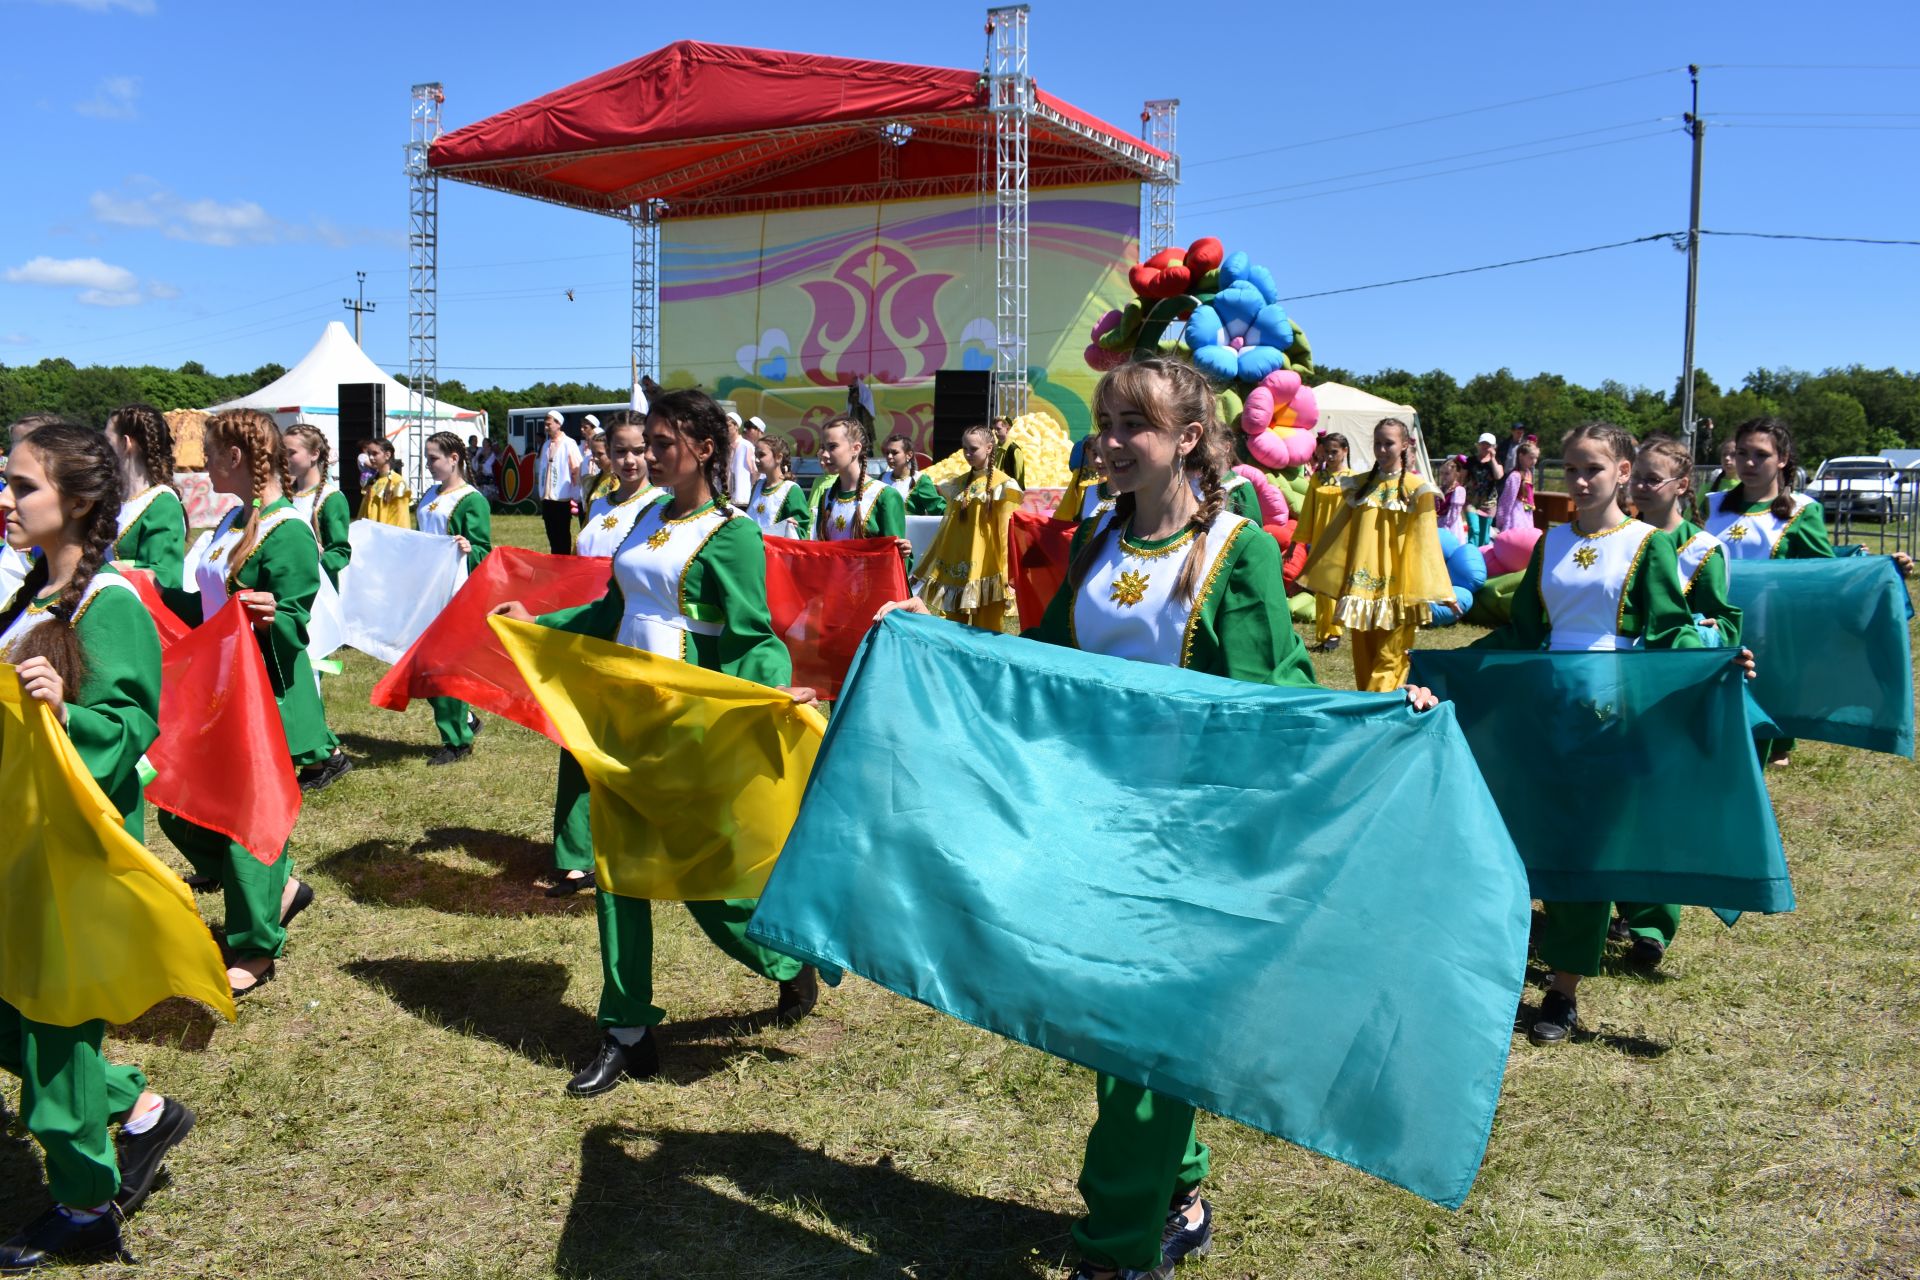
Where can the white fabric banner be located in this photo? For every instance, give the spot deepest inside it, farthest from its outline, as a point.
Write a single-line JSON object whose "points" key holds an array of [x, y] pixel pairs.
{"points": [[396, 584], [920, 532], [14, 568]]}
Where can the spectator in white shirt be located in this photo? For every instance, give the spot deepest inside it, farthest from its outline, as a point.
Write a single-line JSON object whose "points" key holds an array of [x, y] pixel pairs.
{"points": [[557, 476]]}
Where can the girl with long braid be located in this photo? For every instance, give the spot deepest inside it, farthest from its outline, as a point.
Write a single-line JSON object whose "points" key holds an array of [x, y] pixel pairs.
{"points": [[777, 504], [689, 582], [153, 520], [452, 507], [263, 554], [921, 496], [850, 503], [81, 641], [320, 504], [1170, 575]]}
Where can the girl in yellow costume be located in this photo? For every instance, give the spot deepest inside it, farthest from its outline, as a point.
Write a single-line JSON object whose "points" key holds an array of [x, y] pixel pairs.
{"points": [[1323, 499], [1380, 560], [387, 499], [964, 575]]}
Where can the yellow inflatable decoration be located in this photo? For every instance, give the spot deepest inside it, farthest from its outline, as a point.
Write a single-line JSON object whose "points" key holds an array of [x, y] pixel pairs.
{"points": [[1041, 438]]}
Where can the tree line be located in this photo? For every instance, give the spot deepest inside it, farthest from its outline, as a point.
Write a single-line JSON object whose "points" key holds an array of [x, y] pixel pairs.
{"points": [[1850, 410]]}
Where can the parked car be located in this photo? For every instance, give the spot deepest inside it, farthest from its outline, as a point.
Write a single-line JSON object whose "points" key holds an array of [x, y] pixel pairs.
{"points": [[1860, 487]]}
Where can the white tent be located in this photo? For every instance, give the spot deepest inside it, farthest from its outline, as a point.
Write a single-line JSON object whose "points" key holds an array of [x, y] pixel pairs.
{"points": [[1354, 413], [310, 392]]}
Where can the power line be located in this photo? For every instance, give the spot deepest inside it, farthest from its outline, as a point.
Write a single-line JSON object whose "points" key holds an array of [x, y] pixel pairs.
{"points": [[1859, 128], [1820, 115], [1807, 66], [1777, 235], [1491, 266], [1448, 115]]}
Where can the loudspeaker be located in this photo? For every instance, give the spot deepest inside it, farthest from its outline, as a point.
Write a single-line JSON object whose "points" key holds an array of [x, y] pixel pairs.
{"points": [[363, 417], [962, 398]]}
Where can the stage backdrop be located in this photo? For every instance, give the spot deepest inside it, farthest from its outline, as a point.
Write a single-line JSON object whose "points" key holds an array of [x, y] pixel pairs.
{"points": [[776, 311]]}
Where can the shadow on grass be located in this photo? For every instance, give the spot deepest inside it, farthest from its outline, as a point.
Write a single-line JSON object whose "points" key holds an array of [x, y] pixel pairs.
{"points": [[23, 1192], [371, 752], [1620, 1042], [647, 1206], [178, 1023], [382, 873]]}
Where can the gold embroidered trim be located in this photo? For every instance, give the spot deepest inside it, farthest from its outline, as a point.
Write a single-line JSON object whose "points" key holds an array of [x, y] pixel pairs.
{"points": [[1205, 593], [1626, 586], [1361, 614], [687, 569], [1128, 547], [1773, 553]]}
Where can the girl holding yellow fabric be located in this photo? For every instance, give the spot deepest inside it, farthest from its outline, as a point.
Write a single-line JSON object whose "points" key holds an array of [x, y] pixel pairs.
{"points": [[82, 643], [964, 576], [387, 499], [1379, 560]]}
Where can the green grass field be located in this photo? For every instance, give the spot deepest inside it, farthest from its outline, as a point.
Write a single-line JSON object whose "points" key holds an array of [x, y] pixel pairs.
{"points": [[392, 1105]]}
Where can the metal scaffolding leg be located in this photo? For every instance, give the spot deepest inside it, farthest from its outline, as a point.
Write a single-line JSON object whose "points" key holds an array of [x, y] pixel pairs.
{"points": [[1010, 99], [1158, 121], [645, 221], [423, 280]]}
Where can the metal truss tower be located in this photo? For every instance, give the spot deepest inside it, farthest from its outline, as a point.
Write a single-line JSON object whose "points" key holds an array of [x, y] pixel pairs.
{"points": [[1010, 99], [644, 218], [423, 277], [1159, 121]]}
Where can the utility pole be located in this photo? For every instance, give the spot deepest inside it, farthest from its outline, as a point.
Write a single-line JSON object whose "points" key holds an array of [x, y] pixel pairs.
{"points": [[1698, 128], [359, 304]]}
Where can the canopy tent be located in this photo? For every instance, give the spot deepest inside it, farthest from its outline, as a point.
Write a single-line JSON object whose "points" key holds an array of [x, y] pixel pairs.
{"points": [[716, 129], [310, 392], [1354, 413]]}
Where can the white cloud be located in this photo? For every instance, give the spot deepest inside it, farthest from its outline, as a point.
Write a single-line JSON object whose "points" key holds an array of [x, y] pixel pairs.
{"points": [[142, 7], [15, 340], [141, 202], [113, 100], [160, 289], [73, 273], [109, 298]]}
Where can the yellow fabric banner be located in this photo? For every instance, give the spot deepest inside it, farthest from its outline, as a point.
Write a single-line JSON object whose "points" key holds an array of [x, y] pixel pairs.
{"points": [[696, 776], [94, 925]]}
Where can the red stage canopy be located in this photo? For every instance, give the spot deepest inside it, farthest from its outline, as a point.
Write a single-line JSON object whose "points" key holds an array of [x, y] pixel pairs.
{"points": [[718, 129]]}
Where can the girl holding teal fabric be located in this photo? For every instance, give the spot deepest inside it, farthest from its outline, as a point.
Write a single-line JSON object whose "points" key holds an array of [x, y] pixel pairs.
{"points": [[1169, 575], [152, 532], [263, 554], [452, 507], [81, 641], [689, 582]]}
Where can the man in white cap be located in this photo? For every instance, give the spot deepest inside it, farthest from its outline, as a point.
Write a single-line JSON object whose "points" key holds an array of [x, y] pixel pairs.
{"points": [[1484, 474], [740, 468], [557, 479]]}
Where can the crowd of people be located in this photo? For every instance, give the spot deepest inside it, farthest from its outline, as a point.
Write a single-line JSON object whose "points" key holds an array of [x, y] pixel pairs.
{"points": [[1166, 567]]}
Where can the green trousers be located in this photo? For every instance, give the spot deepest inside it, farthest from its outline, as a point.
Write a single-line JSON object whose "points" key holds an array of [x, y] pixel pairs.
{"points": [[68, 1096], [1657, 921], [1574, 937], [450, 717], [1141, 1154], [252, 889], [626, 953], [572, 820]]}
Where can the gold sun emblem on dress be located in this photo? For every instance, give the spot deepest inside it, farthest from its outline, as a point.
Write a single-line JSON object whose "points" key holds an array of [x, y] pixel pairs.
{"points": [[217, 553], [659, 539], [1585, 557], [1737, 532], [433, 506], [839, 522], [762, 508], [1129, 589], [609, 522]]}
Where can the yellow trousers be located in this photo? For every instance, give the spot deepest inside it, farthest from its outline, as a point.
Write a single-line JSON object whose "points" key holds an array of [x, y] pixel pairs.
{"points": [[1380, 658], [1324, 627]]}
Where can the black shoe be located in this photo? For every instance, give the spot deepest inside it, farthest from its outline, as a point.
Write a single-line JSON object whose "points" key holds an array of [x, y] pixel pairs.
{"points": [[141, 1154], [798, 995], [1559, 1016], [566, 886], [1646, 953], [1618, 931], [201, 884], [54, 1237], [318, 777], [450, 755], [241, 993], [302, 899], [615, 1061], [1182, 1239], [477, 724]]}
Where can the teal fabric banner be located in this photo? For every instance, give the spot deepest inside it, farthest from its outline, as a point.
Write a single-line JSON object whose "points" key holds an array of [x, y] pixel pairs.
{"points": [[1830, 641], [1623, 777], [1292, 907]]}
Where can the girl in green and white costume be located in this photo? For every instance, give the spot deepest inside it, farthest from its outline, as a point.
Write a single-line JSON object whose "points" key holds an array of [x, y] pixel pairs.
{"points": [[452, 507], [777, 504], [82, 642], [263, 554], [1761, 518], [152, 532], [320, 504], [1171, 576], [848, 503], [920, 495], [689, 582]]}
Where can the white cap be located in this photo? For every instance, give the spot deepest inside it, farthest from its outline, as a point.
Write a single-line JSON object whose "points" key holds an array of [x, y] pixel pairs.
{"points": [[554, 415], [733, 417], [593, 421], [756, 423], [1486, 437]]}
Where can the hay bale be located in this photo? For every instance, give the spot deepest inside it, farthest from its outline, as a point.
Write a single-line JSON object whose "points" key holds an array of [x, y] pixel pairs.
{"points": [[189, 449]]}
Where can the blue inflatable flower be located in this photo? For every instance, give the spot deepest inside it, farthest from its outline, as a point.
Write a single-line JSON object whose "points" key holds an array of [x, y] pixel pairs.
{"points": [[1242, 335], [1238, 267]]}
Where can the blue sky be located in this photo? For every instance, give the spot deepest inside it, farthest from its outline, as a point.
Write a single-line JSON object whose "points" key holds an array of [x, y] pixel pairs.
{"points": [[201, 180]]}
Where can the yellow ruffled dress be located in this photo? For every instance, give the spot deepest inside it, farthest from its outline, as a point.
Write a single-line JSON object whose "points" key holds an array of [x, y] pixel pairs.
{"points": [[964, 573], [1379, 561]]}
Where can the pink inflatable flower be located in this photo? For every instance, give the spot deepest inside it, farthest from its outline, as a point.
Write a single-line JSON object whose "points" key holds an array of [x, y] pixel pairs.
{"points": [[1279, 421]]}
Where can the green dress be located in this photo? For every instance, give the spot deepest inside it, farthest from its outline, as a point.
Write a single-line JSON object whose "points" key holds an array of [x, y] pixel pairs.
{"points": [[69, 1093], [723, 625], [1703, 579], [874, 510], [923, 496], [330, 519], [153, 535], [1143, 1145], [470, 517], [1242, 500]]}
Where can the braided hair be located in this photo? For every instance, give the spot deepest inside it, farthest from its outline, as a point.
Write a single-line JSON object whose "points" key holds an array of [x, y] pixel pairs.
{"points": [[1406, 445], [79, 464], [28, 423], [782, 451], [695, 416], [1776, 430], [316, 441], [152, 442], [913, 462], [452, 446], [1171, 394], [863, 445], [258, 440]]}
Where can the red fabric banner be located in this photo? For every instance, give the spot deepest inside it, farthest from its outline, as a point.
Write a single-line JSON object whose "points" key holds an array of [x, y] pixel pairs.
{"points": [[1039, 547], [458, 656], [165, 620], [823, 596], [216, 704]]}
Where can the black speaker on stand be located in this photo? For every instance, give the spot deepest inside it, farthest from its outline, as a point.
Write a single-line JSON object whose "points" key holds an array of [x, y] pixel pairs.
{"points": [[363, 417], [962, 398]]}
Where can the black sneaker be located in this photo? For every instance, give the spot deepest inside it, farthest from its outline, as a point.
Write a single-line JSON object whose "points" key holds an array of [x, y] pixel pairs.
{"points": [[476, 723], [318, 777], [142, 1154], [1182, 1239], [55, 1237], [615, 1062], [1618, 930], [450, 755], [798, 995], [1559, 1016], [1646, 953]]}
